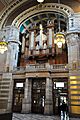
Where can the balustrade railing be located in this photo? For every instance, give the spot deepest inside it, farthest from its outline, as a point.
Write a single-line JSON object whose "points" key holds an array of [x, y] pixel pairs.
{"points": [[19, 69], [59, 67], [42, 67], [36, 66]]}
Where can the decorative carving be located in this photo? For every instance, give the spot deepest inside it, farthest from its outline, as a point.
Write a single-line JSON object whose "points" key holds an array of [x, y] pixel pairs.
{"points": [[72, 38], [74, 23], [45, 7]]}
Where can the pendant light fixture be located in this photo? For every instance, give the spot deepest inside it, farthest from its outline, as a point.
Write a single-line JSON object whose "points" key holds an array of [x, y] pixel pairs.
{"points": [[3, 46], [59, 38]]}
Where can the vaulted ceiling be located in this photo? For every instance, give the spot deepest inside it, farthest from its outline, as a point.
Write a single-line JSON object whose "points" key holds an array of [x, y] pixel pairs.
{"points": [[75, 4], [16, 7]]}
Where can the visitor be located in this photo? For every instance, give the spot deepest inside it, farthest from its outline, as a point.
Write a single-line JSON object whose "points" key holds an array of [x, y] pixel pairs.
{"points": [[64, 108]]}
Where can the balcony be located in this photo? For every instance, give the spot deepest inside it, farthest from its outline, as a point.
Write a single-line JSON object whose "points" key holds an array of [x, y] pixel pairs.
{"points": [[19, 69], [42, 67], [59, 68]]}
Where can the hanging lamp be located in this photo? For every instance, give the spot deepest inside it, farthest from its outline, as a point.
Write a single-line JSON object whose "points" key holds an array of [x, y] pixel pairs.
{"points": [[3, 46], [59, 38]]}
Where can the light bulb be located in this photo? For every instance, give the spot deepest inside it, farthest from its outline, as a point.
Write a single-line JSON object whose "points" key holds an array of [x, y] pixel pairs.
{"points": [[59, 44], [1, 51]]}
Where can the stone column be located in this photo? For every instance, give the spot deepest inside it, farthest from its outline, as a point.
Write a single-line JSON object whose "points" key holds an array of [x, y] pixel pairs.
{"points": [[74, 73], [7, 60], [73, 43], [48, 97], [14, 49], [26, 104], [12, 37]]}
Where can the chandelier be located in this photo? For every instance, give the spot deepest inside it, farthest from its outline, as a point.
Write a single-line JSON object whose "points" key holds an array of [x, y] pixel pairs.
{"points": [[3, 46], [59, 39]]}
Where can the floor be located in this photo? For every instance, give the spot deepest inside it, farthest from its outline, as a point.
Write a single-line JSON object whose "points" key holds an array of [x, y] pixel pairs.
{"points": [[40, 117]]}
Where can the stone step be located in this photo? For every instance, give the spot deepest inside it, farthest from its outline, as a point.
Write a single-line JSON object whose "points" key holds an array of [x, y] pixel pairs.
{"points": [[4, 90], [4, 95], [5, 85], [3, 98]]}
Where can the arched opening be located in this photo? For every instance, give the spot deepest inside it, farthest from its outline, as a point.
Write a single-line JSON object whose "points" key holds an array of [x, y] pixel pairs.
{"points": [[46, 54], [34, 57]]}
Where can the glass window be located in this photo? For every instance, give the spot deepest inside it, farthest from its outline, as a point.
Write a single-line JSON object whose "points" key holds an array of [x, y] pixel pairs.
{"points": [[19, 84]]}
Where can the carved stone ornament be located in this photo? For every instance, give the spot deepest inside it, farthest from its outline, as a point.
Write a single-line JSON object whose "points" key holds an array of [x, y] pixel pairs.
{"points": [[72, 38]]}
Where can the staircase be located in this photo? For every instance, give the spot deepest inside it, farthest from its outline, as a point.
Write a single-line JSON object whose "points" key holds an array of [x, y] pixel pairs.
{"points": [[5, 91]]}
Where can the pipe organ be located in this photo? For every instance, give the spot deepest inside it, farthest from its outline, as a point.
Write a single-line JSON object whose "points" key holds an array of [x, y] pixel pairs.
{"points": [[41, 47], [41, 42]]}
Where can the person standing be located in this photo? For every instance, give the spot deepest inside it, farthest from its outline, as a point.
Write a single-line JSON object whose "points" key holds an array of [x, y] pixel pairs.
{"points": [[64, 108]]}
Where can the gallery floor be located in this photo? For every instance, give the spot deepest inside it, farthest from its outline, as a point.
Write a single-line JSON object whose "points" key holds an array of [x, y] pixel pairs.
{"points": [[40, 117]]}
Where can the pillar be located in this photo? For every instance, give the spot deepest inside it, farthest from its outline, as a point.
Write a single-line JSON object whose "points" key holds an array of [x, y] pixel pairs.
{"points": [[73, 43], [26, 104], [48, 97], [12, 37]]}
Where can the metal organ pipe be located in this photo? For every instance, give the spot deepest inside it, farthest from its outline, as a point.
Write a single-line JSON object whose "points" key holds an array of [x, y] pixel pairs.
{"points": [[23, 44], [50, 37], [41, 36], [32, 41]]}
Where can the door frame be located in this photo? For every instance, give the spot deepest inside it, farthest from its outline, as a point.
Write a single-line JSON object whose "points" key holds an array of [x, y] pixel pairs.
{"points": [[38, 95], [19, 93], [58, 92]]}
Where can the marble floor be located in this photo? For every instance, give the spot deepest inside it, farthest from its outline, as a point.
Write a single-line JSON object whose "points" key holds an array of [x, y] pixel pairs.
{"points": [[40, 117]]}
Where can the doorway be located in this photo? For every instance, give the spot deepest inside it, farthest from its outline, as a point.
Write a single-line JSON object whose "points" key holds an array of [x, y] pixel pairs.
{"points": [[60, 93], [38, 95], [18, 94]]}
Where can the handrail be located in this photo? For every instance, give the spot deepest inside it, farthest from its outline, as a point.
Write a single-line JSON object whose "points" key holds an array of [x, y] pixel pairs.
{"points": [[19, 68], [37, 67], [58, 66]]}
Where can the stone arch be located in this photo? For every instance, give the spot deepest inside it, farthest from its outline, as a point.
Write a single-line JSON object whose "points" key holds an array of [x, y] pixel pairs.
{"points": [[51, 7], [67, 11], [15, 6]]}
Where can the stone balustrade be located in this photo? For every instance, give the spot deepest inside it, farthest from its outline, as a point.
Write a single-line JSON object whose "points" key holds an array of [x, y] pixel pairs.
{"points": [[59, 67], [19, 69], [41, 67]]}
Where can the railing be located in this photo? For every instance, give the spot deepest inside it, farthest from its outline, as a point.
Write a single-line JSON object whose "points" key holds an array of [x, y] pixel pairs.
{"points": [[59, 67], [36, 67], [42, 67], [19, 69]]}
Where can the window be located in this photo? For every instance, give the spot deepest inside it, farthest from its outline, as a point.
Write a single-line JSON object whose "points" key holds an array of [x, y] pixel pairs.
{"points": [[19, 84]]}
